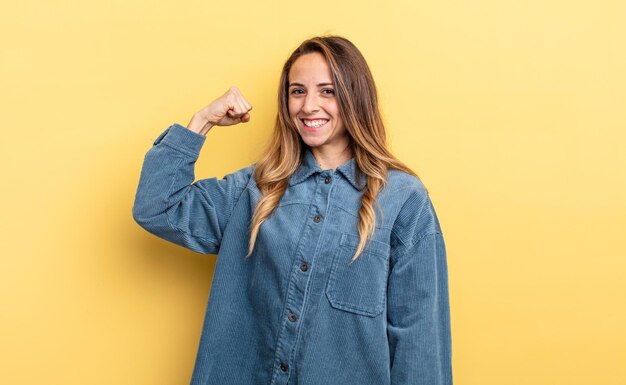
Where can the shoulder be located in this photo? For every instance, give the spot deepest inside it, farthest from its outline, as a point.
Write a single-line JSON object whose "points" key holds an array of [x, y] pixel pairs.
{"points": [[416, 216], [398, 180], [405, 188]]}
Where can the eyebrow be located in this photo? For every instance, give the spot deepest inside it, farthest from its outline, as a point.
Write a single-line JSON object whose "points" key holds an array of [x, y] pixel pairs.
{"points": [[319, 85]]}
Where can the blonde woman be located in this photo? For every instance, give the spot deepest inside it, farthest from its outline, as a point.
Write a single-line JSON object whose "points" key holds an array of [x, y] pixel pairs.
{"points": [[331, 264]]}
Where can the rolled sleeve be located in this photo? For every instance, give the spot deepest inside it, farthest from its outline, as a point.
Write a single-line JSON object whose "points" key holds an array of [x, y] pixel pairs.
{"points": [[182, 139], [418, 314]]}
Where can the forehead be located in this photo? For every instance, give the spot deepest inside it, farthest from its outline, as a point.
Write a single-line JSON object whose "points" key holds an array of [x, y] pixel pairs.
{"points": [[310, 67]]}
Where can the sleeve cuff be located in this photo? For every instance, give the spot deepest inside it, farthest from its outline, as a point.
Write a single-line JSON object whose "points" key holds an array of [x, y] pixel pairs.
{"points": [[182, 139]]}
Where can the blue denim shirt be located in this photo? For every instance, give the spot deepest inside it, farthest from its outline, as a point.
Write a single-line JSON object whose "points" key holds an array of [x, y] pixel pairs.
{"points": [[297, 311]]}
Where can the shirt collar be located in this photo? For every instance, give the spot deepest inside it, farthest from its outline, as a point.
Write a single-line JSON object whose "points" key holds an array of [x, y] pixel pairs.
{"points": [[309, 166]]}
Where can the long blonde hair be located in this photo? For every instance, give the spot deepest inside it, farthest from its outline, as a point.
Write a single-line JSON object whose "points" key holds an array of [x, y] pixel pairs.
{"points": [[358, 106]]}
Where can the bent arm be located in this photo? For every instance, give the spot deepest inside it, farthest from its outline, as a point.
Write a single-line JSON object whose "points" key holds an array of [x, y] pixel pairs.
{"points": [[169, 205]]}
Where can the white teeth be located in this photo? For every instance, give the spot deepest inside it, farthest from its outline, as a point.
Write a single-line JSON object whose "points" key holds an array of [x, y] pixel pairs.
{"points": [[315, 123]]}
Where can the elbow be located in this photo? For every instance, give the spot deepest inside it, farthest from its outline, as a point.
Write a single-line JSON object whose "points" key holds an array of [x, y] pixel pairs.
{"points": [[145, 210], [154, 224], [139, 215]]}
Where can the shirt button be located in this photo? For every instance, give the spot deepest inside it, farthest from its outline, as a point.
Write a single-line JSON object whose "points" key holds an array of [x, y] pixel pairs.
{"points": [[304, 266], [283, 366], [327, 179], [293, 317], [317, 218]]}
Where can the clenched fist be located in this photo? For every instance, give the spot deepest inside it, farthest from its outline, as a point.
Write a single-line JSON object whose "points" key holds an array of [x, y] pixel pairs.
{"points": [[227, 110]]}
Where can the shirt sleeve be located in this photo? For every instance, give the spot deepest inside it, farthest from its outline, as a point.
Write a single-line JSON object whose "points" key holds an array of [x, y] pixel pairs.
{"points": [[418, 314], [169, 204]]}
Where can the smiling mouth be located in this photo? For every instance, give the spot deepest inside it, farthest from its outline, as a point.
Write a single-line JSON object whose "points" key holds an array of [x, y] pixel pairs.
{"points": [[315, 123]]}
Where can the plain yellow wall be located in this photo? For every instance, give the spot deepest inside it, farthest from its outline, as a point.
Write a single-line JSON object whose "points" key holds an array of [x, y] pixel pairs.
{"points": [[512, 112]]}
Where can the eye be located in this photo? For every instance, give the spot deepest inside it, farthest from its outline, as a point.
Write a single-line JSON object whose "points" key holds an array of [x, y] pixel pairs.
{"points": [[330, 91], [296, 91]]}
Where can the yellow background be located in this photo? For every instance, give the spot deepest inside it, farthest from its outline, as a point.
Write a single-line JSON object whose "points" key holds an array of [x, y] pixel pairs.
{"points": [[512, 112]]}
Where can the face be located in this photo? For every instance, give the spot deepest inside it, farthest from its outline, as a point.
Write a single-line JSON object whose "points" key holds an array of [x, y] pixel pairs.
{"points": [[313, 105]]}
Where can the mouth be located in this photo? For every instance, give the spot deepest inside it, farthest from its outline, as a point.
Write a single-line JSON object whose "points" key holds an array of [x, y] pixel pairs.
{"points": [[314, 124]]}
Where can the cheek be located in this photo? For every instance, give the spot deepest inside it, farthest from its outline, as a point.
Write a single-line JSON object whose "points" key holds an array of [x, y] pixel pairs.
{"points": [[333, 109], [292, 106]]}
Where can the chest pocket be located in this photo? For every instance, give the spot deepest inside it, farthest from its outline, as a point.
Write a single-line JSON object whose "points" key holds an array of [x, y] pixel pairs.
{"points": [[359, 287]]}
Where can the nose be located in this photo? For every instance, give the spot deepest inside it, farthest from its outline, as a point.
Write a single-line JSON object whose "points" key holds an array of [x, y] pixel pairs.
{"points": [[311, 104]]}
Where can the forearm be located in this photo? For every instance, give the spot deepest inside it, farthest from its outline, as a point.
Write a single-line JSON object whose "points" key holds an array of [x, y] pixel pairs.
{"points": [[166, 198], [167, 169]]}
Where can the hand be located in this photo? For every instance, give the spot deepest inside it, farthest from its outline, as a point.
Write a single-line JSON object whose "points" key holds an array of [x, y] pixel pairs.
{"points": [[227, 110]]}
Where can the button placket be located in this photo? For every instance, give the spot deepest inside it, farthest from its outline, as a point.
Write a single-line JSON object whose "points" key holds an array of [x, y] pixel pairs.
{"points": [[297, 289]]}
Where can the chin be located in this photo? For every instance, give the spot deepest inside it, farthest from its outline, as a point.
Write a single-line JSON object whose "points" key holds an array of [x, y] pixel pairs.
{"points": [[313, 142]]}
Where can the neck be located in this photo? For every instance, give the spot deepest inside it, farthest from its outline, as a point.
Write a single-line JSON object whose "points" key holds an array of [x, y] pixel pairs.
{"points": [[331, 159]]}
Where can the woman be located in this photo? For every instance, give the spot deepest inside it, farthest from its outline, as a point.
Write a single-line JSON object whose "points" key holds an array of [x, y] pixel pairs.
{"points": [[331, 263]]}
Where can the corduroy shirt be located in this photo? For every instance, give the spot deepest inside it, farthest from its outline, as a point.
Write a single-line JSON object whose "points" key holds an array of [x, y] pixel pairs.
{"points": [[297, 311]]}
